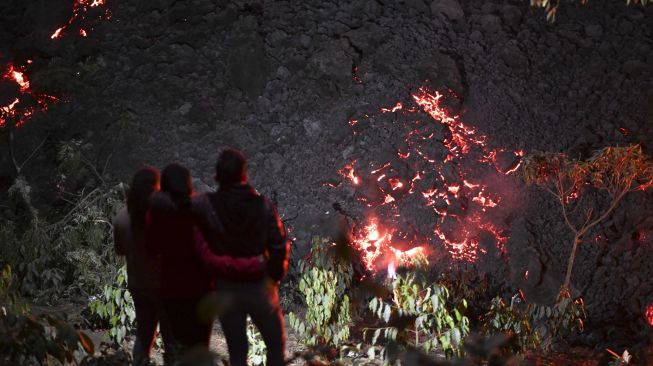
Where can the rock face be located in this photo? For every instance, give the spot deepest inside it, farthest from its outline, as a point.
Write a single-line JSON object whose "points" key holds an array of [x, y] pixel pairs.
{"points": [[284, 81]]}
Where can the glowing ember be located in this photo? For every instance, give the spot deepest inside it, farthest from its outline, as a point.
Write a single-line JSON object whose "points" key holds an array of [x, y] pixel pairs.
{"points": [[648, 315], [18, 77], [397, 107], [445, 175], [348, 172], [80, 8]]}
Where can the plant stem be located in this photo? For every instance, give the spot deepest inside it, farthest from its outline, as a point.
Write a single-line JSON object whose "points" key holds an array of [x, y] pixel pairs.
{"points": [[570, 263]]}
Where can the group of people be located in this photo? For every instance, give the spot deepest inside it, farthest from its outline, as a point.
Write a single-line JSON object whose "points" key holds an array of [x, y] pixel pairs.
{"points": [[192, 257]]}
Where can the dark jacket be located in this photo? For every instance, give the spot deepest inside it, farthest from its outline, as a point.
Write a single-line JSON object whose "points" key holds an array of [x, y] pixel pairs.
{"points": [[241, 222], [187, 271]]}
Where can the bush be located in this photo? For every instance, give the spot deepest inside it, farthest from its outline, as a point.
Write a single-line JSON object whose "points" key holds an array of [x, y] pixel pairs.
{"points": [[73, 256], [27, 339], [514, 322], [256, 354], [418, 315], [532, 326], [116, 306], [325, 279]]}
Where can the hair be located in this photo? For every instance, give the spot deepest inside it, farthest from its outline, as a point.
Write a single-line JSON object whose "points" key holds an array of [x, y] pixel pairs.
{"points": [[176, 181], [231, 168], [144, 182]]}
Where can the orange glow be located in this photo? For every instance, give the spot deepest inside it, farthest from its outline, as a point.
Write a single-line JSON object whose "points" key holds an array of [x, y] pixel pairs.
{"points": [[348, 172], [395, 183], [648, 315], [461, 206], [13, 110], [80, 8], [397, 107], [19, 78]]}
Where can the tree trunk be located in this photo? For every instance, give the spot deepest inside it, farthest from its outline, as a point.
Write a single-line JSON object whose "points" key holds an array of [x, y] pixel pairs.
{"points": [[570, 265]]}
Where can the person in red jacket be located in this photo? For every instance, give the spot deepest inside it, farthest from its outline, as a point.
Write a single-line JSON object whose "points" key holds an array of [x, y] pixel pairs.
{"points": [[187, 271], [239, 222]]}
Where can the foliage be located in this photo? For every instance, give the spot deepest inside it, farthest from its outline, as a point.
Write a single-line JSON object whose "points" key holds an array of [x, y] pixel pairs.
{"points": [[551, 7], [116, 305], [325, 279], [531, 326], [418, 316], [71, 256], [613, 171], [27, 339], [516, 323], [10, 301], [551, 322], [257, 351]]}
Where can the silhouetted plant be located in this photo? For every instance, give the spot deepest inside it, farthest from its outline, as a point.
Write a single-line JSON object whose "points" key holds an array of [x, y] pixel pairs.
{"points": [[325, 280], [614, 171], [419, 315]]}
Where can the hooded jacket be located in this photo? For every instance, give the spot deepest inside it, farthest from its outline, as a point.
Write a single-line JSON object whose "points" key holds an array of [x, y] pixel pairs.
{"points": [[187, 266], [240, 222]]}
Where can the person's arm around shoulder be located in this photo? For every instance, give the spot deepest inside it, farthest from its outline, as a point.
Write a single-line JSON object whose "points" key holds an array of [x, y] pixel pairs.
{"points": [[277, 245], [121, 226], [224, 266]]}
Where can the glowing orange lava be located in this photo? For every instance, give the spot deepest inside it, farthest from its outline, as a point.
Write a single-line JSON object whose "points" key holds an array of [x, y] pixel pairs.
{"points": [[80, 8], [461, 203]]}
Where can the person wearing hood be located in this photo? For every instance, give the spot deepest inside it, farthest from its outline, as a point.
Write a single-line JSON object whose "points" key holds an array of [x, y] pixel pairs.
{"points": [[239, 222], [188, 267]]}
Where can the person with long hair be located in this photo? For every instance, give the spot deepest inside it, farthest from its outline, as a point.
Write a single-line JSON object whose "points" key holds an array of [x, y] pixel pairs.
{"points": [[187, 272], [142, 269]]}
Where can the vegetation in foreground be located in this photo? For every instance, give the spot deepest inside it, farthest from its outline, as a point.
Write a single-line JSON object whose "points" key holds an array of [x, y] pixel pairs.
{"points": [[417, 318]]}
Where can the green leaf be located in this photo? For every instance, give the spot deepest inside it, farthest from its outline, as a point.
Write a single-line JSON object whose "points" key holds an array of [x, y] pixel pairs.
{"points": [[375, 337], [386, 313]]}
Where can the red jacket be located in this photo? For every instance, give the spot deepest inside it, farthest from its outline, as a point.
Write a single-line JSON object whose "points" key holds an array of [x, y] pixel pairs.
{"points": [[188, 267]]}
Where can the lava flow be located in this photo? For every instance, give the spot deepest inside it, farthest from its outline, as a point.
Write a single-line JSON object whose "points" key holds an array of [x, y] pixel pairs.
{"points": [[80, 10], [446, 168], [26, 95], [27, 102]]}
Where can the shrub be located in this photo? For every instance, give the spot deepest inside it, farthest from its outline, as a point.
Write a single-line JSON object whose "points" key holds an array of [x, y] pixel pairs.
{"points": [[116, 306], [256, 353], [27, 339], [516, 323], [325, 279], [419, 316]]}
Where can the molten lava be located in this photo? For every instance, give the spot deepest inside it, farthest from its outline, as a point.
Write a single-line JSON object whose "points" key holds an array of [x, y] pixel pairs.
{"points": [[448, 185], [19, 110], [80, 10], [15, 109]]}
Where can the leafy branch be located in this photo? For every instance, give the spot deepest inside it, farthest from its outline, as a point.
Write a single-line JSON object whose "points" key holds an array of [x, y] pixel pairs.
{"points": [[615, 171]]}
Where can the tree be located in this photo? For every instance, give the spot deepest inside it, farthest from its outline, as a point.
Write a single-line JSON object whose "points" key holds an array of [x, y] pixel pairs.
{"points": [[612, 171]]}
